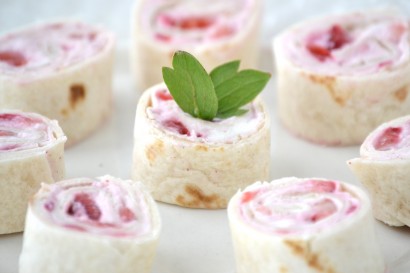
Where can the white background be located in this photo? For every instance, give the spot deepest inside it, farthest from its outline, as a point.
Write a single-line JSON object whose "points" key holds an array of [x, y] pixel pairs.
{"points": [[194, 241]]}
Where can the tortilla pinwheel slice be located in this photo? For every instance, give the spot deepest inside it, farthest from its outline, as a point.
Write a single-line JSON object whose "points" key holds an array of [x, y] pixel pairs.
{"points": [[341, 76], [303, 225], [31, 152], [62, 70], [384, 168], [90, 225], [214, 31]]}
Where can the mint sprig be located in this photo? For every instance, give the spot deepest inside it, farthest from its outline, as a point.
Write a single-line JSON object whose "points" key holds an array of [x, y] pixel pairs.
{"points": [[220, 94]]}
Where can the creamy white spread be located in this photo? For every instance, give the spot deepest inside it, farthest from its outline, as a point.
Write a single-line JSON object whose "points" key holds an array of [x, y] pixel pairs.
{"points": [[300, 206], [186, 22], [100, 206], [49, 48], [20, 131], [352, 44], [169, 116]]}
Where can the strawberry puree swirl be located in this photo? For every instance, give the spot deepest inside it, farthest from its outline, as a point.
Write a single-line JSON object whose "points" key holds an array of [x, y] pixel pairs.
{"points": [[353, 44], [49, 48], [300, 206], [20, 131], [104, 206], [182, 22]]}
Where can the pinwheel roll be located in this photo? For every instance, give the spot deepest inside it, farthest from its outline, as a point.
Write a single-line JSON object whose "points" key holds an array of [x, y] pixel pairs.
{"points": [[62, 70], [31, 152], [384, 169], [303, 225], [90, 225], [340, 77], [214, 31], [195, 163]]}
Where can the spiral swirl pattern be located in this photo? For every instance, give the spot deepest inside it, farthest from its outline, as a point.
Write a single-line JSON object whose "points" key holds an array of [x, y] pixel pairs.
{"points": [[187, 22], [350, 44], [390, 140], [300, 206], [24, 131], [49, 48], [104, 206]]}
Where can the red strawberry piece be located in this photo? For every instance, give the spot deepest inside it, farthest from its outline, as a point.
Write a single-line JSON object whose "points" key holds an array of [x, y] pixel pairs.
{"points": [[177, 126], [388, 139], [13, 58], [164, 95], [248, 196], [336, 37], [83, 200], [126, 214], [194, 23], [319, 52]]}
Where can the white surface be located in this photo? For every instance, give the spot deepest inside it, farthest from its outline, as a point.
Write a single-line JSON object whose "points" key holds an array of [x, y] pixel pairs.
{"points": [[194, 241]]}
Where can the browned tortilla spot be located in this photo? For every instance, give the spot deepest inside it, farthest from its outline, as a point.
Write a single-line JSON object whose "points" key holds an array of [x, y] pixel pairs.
{"points": [[64, 112], [201, 148], [301, 249], [152, 151], [77, 94], [329, 83], [198, 199], [401, 94]]}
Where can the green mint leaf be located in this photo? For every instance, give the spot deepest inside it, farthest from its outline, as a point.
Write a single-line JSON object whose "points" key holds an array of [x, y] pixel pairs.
{"points": [[191, 86], [183, 98], [220, 94], [224, 72], [231, 113], [240, 89]]}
